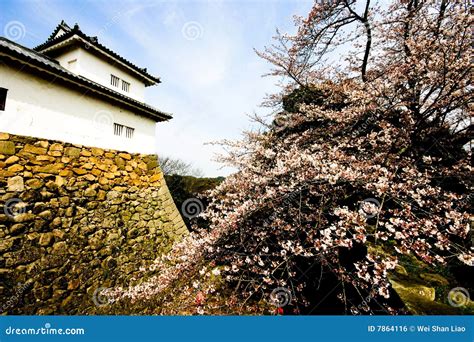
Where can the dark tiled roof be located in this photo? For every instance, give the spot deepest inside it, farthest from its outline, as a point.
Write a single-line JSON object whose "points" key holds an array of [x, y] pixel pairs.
{"points": [[62, 26], [94, 42], [42, 62]]}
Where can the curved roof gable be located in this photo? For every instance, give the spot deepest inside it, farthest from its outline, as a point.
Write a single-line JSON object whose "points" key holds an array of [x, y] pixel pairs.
{"points": [[61, 29], [63, 32]]}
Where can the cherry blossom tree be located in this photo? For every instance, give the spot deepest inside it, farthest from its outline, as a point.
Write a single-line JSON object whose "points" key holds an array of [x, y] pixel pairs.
{"points": [[364, 162]]}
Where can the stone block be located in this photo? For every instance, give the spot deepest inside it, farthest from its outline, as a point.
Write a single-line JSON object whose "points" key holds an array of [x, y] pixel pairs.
{"points": [[7, 147], [11, 160], [72, 152], [15, 184], [34, 149], [97, 151], [50, 168], [46, 239]]}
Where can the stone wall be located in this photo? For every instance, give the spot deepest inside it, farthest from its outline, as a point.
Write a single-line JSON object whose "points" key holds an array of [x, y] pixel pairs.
{"points": [[75, 219]]}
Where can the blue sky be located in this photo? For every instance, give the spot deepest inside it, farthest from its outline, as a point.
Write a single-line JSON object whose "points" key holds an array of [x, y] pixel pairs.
{"points": [[202, 50]]}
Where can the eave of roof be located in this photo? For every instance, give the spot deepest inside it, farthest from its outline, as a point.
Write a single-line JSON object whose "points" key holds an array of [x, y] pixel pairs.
{"points": [[46, 64], [92, 41], [61, 26]]}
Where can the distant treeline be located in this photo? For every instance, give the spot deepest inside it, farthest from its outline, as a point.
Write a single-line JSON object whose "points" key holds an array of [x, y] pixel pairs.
{"points": [[184, 188]]}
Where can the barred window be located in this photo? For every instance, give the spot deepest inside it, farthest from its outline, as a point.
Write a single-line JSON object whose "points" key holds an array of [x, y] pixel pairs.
{"points": [[114, 80], [3, 98], [129, 132], [125, 86], [118, 129]]}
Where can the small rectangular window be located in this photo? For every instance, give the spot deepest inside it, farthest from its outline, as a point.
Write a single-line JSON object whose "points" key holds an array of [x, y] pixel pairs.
{"points": [[3, 98], [118, 129], [125, 86], [114, 80], [129, 132]]}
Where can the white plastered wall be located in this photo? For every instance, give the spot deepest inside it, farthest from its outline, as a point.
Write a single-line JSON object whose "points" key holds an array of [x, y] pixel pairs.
{"points": [[38, 108], [98, 70]]}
